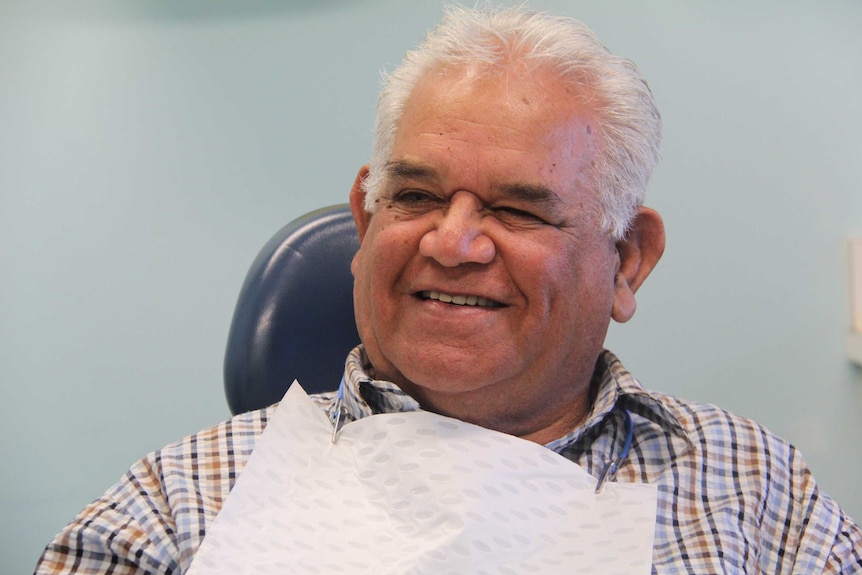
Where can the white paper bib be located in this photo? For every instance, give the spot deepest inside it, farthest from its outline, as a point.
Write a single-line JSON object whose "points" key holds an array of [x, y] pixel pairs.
{"points": [[419, 493]]}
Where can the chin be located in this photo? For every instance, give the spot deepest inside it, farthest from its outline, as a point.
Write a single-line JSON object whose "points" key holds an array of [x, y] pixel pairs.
{"points": [[447, 380]]}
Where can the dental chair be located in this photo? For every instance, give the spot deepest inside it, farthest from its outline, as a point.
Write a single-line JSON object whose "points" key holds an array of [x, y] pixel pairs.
{"points": [[294, 316]]}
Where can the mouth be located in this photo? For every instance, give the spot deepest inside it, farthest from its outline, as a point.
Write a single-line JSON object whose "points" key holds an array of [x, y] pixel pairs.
{"points": [[459, 299]]}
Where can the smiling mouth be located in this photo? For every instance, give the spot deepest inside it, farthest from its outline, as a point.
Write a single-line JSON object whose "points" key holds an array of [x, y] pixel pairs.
{"points": [[459, 299]]}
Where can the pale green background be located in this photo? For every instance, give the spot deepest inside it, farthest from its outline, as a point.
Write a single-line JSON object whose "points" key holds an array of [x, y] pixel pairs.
{"points": [[148, 149]]}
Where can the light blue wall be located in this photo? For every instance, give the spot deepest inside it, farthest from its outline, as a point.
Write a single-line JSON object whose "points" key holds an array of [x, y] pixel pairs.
{"points": [[148, 149]]}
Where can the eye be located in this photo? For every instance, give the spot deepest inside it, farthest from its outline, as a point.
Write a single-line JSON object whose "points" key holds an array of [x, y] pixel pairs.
{"points": [[416, 199], [412, 197], [516, 216]]}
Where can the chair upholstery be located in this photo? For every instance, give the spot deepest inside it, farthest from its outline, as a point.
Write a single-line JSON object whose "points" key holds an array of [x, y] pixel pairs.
{"points": [[294, 316]]}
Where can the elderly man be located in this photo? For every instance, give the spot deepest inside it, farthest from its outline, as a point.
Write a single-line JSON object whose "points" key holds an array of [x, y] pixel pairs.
{"points": [[502, 228]]}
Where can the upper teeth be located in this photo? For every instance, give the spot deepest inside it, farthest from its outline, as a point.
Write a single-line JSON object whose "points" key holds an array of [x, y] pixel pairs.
{"points": [[459, 299]]}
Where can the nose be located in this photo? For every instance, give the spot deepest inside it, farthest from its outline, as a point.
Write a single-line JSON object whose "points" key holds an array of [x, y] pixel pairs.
{"points": [[458, 237]]}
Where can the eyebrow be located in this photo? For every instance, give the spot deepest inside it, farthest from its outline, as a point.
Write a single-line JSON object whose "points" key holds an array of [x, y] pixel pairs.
{"points": [[404, 170], [532, 193]]}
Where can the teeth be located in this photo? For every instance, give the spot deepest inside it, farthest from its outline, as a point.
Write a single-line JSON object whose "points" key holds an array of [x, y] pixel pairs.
{"points": [[471, 300]]}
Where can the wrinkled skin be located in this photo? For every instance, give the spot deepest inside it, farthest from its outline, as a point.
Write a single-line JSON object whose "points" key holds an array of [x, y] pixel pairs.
{"points": [[488, 200]]}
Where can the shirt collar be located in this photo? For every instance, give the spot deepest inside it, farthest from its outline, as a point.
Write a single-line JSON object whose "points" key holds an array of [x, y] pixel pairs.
{"points": [[364, 395], [613, 386]]}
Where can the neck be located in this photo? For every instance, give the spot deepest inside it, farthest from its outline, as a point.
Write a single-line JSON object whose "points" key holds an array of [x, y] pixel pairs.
{"points": [[541, 421]]}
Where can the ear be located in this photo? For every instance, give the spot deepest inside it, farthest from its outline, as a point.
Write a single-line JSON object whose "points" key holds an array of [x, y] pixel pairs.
{"points": [[638, 252], [357, 202]]}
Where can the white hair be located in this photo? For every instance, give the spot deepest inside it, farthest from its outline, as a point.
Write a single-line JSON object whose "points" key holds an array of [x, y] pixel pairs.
{"points": [[629, 122]]}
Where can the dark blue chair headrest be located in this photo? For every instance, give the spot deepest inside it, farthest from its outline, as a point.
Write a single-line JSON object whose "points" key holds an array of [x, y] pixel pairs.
{"points": [[294, 317]]}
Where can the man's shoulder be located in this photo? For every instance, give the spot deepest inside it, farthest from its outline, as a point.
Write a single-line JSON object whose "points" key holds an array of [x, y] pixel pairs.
{"points": [[700, 417], [700, 422], [239, 431], [222, 449], [229, 442], [715, 431]]}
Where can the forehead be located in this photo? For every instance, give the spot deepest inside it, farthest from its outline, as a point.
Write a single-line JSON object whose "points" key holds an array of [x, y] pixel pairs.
{"points": [[498, 122], [512, 95]]}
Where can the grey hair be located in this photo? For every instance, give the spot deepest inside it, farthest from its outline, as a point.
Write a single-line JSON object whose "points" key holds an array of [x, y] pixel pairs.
{"points": [[629, 121]]}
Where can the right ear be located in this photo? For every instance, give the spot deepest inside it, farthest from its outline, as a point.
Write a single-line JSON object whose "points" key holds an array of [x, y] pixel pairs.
{"points": [[357, 202]]}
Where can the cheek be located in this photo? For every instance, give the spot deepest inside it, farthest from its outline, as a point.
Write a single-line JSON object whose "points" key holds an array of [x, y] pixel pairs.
{"points": [[574, 282], [545, 263], [361, 294], [378, 265]]}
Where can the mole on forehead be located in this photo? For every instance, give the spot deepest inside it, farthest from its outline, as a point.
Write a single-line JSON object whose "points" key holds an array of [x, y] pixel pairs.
{"points": [[407, 170]]}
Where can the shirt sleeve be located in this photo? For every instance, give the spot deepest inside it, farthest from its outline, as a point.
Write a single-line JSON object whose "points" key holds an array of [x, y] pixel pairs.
{"points": [[129, 530], [828, 541], [846, 554], [154, 519]]}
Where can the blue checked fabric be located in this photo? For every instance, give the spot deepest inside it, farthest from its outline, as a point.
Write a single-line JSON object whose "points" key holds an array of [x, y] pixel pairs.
{"points": [[733, 498]]}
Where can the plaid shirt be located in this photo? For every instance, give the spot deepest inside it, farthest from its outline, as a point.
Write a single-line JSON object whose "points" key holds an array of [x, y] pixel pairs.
{"points": [[732, 497]]}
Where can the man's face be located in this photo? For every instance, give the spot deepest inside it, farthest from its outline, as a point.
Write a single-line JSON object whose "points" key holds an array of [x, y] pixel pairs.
{"points": [[484, 285]]}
